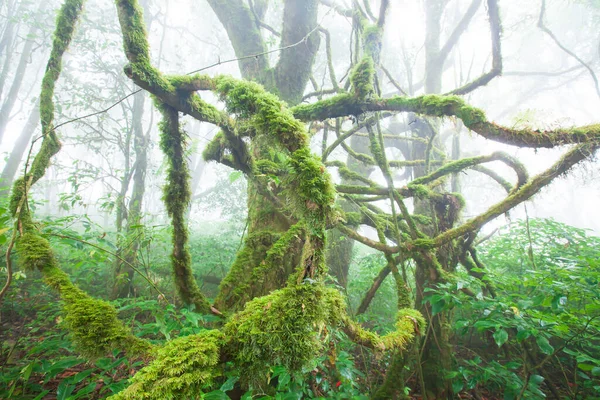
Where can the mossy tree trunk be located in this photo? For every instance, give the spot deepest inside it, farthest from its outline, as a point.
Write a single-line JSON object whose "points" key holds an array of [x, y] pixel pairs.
{"points": [[437, 353], [130, 240], [288, 78]]}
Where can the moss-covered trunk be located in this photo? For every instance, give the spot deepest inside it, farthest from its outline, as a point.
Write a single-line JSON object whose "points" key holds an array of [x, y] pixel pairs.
{"points": [[248, 276]]}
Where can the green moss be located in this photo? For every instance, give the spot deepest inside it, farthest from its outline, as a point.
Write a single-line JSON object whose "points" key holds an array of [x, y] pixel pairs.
{"points": [[267, 113], [282, 328], [372, 36], [309, 187], [135, 43], [266, 167], [183, 368], [341, 105], [420, 191], [34, 252], [234, 288], [422, 244], [362, 78], [353, 218], [177, 198], [93, 324], [215, 150], [409, 324], [362, 336]]}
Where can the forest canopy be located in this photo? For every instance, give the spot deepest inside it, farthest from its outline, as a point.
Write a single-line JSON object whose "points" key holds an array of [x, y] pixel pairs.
{"points": [[299, 199]]}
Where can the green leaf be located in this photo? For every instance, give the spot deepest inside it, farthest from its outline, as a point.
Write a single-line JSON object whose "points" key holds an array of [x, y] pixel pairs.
{"points": [[216, 395], [229, 384], [522, 335], [585, 367], [234, 176], [284, 380], [596, 371], [500, 337], [457, 386], [544, 345], [438, 307]]}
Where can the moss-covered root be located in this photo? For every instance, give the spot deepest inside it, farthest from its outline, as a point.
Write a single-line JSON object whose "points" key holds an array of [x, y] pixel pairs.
{"points": [[177, 198], [182, 369], [93, 323], [282, 329]]}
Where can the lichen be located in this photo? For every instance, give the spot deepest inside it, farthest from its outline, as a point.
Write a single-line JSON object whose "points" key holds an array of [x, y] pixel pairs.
{"points": [[182, 369]]}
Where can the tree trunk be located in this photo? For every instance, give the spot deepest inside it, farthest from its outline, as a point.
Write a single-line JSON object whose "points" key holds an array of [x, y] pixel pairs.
{"points": [[288, 79], [16, 155], [339, 249], [124, 273], [12, 95]]}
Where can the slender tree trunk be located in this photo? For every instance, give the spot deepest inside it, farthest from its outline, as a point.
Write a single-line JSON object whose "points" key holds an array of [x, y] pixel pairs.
{"points": [[21, 145], [12, 95], [339, 249], [124, 274], [436, 349], [7, 42]]}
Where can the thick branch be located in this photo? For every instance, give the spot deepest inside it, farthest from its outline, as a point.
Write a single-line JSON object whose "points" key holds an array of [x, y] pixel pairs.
{"points": [[244, 33], [449, 106]]}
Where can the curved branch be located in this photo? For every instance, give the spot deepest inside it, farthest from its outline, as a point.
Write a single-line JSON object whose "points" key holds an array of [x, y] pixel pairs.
{"points": [[465, 163], [566, 162], [352, 234]]}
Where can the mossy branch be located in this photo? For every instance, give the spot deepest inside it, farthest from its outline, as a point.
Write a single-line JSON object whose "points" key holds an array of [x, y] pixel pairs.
{"points": [[447, 106], [460, 165], [566, 162]]}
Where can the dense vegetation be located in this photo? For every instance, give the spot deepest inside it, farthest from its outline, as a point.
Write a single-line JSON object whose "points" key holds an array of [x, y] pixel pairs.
{"points": [[337, 252]]}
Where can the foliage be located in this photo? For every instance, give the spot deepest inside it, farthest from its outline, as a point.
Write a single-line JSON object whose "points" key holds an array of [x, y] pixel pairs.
{"points": [[542, 327]]}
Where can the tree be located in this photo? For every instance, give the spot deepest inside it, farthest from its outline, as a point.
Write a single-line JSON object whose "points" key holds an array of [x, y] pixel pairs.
{"points": [[274, 295]]}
